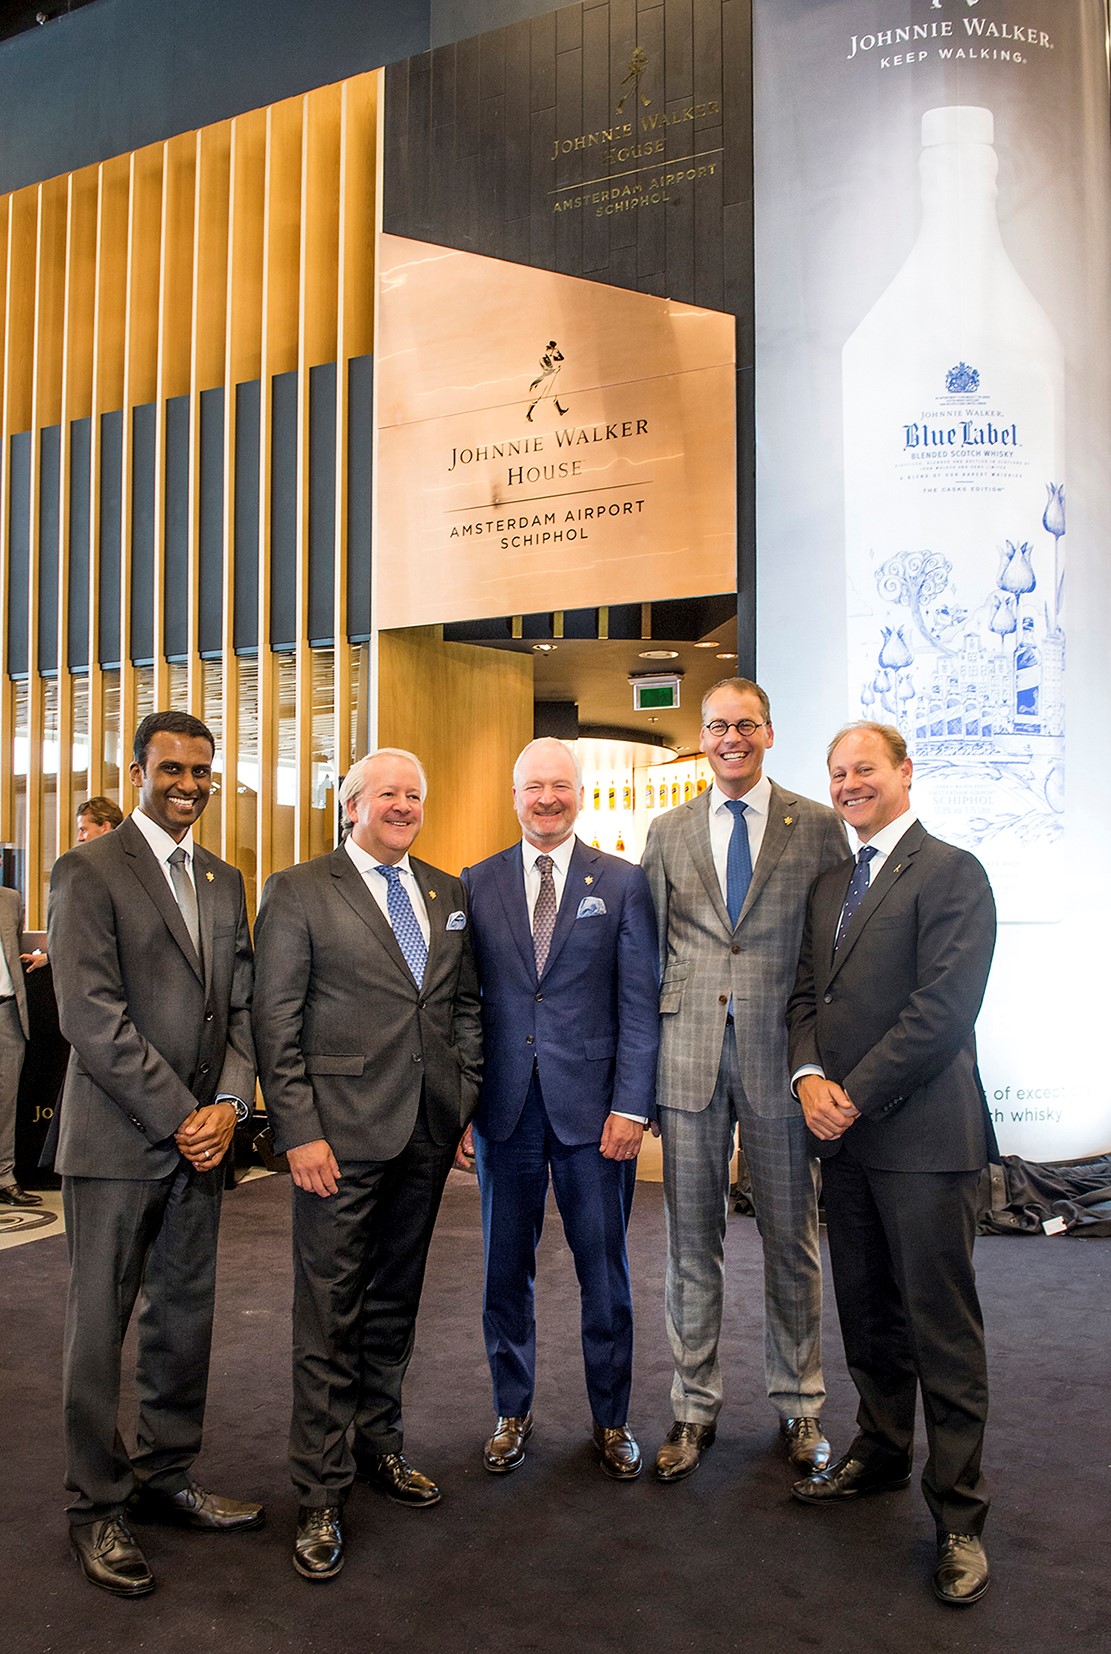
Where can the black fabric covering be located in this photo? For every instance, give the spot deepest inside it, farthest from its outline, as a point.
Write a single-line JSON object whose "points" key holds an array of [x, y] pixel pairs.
{"points": [[554, 1557], [1025, 1196]]}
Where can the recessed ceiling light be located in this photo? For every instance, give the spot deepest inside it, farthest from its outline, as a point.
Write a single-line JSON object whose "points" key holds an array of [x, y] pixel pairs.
{"points": [[710, 645], [659, 654], [725, 657], [543, 648]]}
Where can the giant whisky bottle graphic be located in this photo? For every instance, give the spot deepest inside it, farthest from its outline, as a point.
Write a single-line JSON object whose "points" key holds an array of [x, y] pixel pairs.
{"points": [[953, 401]]}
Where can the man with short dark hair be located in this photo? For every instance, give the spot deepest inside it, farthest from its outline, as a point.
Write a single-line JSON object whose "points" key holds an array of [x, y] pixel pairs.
{"points": [[367, 1027], [893, 967], [729, 873], [152, 971], [96, 817]]}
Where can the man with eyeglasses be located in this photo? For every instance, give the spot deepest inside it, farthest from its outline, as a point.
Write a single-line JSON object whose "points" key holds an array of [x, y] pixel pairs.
{"points": [[730, 872]]}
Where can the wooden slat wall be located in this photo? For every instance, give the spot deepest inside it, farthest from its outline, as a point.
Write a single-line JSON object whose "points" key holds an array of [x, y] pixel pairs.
{"points": [[219, 257]]}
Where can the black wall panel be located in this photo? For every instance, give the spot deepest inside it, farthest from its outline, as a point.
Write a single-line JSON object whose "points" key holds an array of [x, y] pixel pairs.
{"points": [[322, 504], [50, 476], [80, 538], [283, 513], [175, 611], [143, 434], [211, 527], [360, 478], [245, 619], [111, 530], [19, 543]]}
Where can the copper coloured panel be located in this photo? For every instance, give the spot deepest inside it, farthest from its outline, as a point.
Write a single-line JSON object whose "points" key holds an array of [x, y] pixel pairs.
{"points": [[545, 442]]}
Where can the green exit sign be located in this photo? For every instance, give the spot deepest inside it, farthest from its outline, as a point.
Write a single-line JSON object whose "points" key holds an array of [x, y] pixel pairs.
{"points": [[655, 694]]}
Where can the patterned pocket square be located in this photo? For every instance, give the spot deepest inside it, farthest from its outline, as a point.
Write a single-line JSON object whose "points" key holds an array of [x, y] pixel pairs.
{"points": [[456, 921], [591, 907]]}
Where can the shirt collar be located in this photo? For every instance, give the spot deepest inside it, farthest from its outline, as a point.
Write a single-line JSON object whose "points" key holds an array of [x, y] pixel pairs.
{"points": [[158, 838], [888, 837], [367, 863], [757, 799], [561, 855]]}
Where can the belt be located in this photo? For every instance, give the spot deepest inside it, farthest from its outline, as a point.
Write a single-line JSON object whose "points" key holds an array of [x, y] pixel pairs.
{"points": [[7, 999]]}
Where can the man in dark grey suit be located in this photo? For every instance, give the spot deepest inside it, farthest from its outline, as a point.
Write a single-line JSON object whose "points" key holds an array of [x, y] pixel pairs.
{"points": [[729, 874], [894, 964], [367, 1027], [14, 1033], [152, 971]]}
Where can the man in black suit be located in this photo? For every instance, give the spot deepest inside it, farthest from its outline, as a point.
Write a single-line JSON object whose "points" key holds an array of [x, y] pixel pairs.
{"points": [[895, 960], [367, 1027], [152, 971]]}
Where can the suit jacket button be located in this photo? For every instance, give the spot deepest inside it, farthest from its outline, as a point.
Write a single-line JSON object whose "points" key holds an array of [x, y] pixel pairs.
{"points": [[828, 999], [416, 1056], [539, 997], [529, 1039], [734, 948], [205, 1067], [209, 1015], [723, 999]]}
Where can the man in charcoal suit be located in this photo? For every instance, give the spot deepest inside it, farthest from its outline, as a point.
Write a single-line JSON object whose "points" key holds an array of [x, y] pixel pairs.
{"points": [[893, 968], [729, 873], [367, 1027], [567, 960], [152, 970]]}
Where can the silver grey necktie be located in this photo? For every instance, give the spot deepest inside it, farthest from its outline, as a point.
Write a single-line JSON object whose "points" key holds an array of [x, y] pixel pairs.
{"points": [[543, 914], [186, 898]]}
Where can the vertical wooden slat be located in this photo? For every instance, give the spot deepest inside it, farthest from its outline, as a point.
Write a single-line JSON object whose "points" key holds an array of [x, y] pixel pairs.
{"points": [[210, 242]]}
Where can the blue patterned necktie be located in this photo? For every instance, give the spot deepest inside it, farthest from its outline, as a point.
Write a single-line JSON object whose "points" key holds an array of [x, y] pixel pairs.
{"points": [[858, 884], [403, 921], [738, 866]]}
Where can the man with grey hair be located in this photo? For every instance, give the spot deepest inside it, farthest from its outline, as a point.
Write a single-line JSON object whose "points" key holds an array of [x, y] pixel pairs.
{"points": [[566, 951], [369, 1048]]}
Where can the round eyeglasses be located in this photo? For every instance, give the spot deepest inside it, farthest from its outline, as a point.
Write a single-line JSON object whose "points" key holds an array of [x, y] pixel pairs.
{"points": [[743, 726]]}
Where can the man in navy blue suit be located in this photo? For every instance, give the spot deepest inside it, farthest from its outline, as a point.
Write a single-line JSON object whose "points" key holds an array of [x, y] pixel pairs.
{"points": [[565, 940]]}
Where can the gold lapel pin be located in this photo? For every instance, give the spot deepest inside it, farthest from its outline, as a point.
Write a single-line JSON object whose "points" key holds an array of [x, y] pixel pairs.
{"points": [[589, 879], [211, 877], [431, 895], [899, 869], [787, 820]]}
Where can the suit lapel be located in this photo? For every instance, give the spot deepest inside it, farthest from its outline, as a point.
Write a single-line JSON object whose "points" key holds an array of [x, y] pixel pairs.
{"points": [[352, 887], [437, 907], [510, 883], [205, 882], [782, 816], [893, 868], [585, 873], [696, 828], [144, 864]]}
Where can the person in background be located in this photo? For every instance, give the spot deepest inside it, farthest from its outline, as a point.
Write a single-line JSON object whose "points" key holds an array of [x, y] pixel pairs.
{"points": [[96, 817], [14, 1033]]}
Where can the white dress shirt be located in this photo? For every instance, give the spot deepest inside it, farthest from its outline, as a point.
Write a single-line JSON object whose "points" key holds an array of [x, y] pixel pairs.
{"points": [[757, 802], [376, 883], [164, 846]]}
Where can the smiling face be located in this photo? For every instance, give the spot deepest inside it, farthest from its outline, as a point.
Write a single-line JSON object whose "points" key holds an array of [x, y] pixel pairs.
{"points": [[174, 781], [546, 794], [867, 787], [387, 815], [87, 828], [736, 760]]}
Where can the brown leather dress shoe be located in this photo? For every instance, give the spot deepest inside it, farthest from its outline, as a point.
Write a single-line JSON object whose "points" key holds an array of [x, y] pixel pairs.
{"points": [[12, 1195], [682, 1449], [393, 1475], [110, 1558], [961, 1576], [618, 1451], [318, 1547], [194, 1507], [505, 1450], [852, 1478], [807, 1448]]}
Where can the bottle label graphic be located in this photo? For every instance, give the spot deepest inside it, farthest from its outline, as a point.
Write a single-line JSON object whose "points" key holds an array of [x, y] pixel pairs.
{"points": [[953, 404]]}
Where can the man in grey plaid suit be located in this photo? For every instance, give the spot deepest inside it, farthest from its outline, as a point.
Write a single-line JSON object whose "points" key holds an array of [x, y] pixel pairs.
{"points": [[729, 873]]}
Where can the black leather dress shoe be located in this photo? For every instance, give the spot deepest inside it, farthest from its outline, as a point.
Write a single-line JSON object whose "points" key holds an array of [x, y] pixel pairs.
{"points": [[393, 1475], [618, 1451], [506, 1448], [12, 1195], [318, 1548], [807, 1448], [193, 1507], [961, 1576], [682, 1449], [110, 1558], [852, 1478]]}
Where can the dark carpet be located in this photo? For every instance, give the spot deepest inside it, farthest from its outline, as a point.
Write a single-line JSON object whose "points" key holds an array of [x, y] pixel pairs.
{"points": [[555, 1556]]}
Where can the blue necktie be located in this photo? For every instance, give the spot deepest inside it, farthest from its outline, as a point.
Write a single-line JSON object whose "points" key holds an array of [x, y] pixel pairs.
{"points": [[738, 866], [858, 884], [403, 921]]}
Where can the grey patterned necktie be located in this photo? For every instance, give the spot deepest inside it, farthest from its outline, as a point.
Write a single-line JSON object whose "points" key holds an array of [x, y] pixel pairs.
{"points": [[404, 923], [543, 914], [186, 897]]}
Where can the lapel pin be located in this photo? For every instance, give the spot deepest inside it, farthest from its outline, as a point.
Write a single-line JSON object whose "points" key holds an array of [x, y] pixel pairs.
{"points": [[211, 877], [431, 895], [589, 878], [787, 820], [899, 869]]}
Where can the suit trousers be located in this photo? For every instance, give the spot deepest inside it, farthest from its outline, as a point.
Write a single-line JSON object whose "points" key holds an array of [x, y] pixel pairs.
{"points": [[12, 1047], [595, 1200], [901, 1248], [358, 1268], [697, 1153], [156, 1242]]}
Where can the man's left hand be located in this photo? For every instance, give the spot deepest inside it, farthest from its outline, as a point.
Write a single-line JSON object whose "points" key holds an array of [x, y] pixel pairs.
{"points": [[204, 1136], [621, 1138]]}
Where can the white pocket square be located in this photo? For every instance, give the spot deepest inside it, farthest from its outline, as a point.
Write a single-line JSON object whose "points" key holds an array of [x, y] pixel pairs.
{"points": [[456, 921], [591, 907]]}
